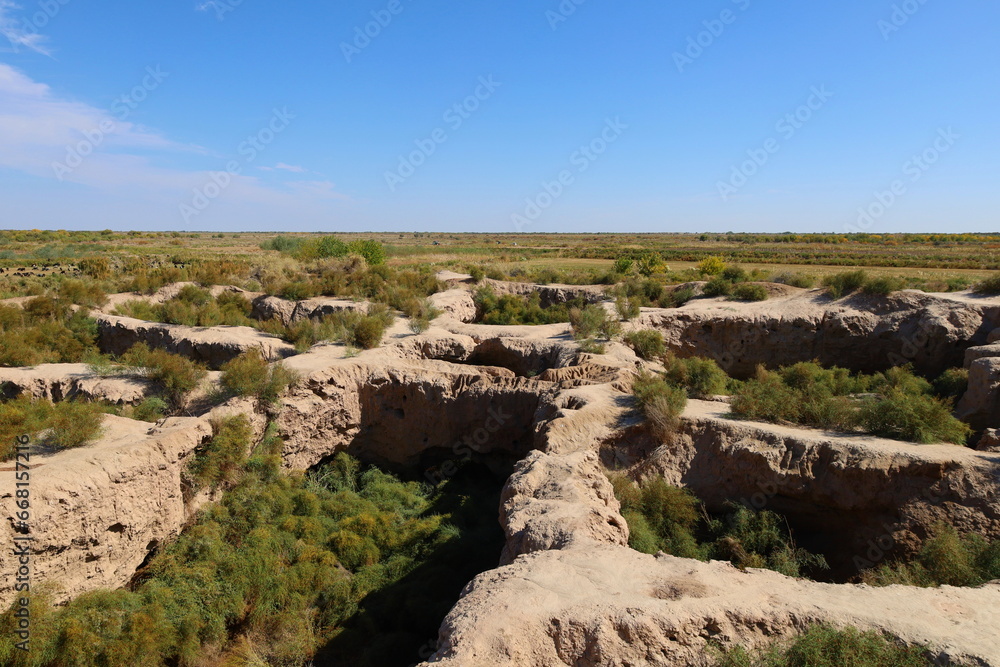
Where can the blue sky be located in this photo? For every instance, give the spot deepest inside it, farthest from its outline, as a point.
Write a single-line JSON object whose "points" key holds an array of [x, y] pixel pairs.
{"points": [[494, 116]]}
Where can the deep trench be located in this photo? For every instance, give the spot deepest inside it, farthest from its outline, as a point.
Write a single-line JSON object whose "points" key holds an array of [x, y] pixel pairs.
{"points": [[467, 451]]}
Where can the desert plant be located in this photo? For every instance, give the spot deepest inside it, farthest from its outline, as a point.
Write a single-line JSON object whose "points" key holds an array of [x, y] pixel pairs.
{"points": [[647, 343], [842, 284], [883, 285], [947, 558], [701, 377], [952, 384], [151, 409], [989, 286], [711, 266], [749, 292], [593, 320], [661, 403], [176, 374], [74, 424], [822, 646], [912, 417], [717, 286], [802, 280]]}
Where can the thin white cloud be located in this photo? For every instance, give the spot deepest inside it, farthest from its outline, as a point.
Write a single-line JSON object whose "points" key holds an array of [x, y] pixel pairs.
{"points": [[39, 131], [285, 167], [20, 33]]}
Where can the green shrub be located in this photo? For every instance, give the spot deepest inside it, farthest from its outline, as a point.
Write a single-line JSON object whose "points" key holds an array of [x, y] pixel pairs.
{"points": [[647, 343], [593, 320], [902, 406], [372, 251], [176, 374], [46, 331], [717, 286], [947, 558], [331, 246], [664, 518], [750, 292], [952, 384], [677, 297], [883, 285], [990, 286], [511, 309], [627, 307], [219, 461], [74, 424], [82, 293], [801, 280], [623, 265], [822, 646], [151, 409], [662, 403], [251, 375], [842, 284], [914, 418], [701, 377]]}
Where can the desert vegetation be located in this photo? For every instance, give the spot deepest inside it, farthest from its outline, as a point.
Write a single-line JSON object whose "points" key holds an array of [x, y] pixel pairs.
{"points": [[665, 518], [283, 568], [822, 646], [895, 404], [61, 425]]}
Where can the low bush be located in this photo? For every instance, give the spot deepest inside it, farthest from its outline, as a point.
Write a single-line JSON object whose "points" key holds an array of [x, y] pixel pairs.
{"points": [[952, 384], [883, 285], [699, 376], [898, 405], [511, 309], [151, 409], [251, 375], [677, 297], [218, 462], [717, 286], [65, 425], [946, 559], [801, 280], [990, 286], [46, 331], [669, 519], [842, 284], [822, 646], [177, 375], [592, 321], [647, 343], [750, 292], [661, 402]]}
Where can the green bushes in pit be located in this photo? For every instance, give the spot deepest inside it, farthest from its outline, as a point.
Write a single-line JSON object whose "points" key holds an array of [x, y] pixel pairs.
{"points": [[46, 331], [664, 518], [952, 384], [593, 321], [62, 425], [947, 558], [251, 375], [822, 646], [345, 565], [347, 327], [895, 404]]}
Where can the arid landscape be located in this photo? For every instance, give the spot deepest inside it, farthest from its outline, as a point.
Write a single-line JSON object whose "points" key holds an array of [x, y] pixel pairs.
{"points": [[476, 450]]}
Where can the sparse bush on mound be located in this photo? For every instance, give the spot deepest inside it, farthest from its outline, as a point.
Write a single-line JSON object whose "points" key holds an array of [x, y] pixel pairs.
{"points": [[647, 343], [842, 284], [883, 285], [990, 286], [822, 646], [592, 321], [219, 461], [801, 280], [46, 331], [749, 292]]}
